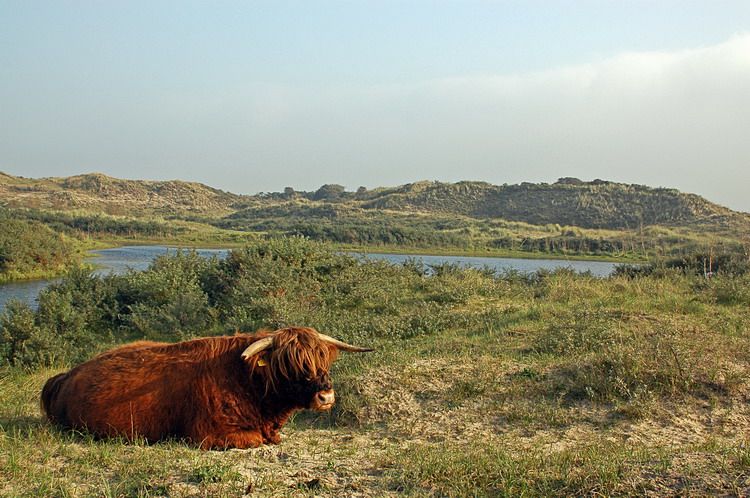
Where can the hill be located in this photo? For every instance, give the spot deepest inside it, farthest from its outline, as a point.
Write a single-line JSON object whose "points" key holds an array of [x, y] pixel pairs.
{"points": [[596, 204], [565, 218], [101, 193], [569, 201]]}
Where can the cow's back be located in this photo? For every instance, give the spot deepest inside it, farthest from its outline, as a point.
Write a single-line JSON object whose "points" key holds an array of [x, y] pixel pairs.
{"points": [[134, 390]]}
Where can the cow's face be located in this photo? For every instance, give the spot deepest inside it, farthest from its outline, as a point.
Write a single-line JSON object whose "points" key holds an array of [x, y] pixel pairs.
{"points": [[314, 392], [294, 362]]}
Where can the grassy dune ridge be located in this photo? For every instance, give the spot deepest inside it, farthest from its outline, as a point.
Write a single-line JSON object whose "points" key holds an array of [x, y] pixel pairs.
{"points": [[510, 385], [568, 218]]}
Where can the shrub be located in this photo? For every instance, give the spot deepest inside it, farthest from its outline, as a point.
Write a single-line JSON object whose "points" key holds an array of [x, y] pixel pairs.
{"points": [[604, 358], [30, 248], [22, 342], [167, 302]]}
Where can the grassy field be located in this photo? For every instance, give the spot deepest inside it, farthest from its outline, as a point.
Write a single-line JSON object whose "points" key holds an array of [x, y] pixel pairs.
{"points": [[550, 385]]}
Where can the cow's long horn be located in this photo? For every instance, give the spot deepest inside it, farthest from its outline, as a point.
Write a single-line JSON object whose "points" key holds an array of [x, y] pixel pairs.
{"points": [[257, 347], [342, 345]]}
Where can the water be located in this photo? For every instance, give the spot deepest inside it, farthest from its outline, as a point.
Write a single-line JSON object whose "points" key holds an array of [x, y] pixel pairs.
{"points": [[23, 291], [117, 261], [121, 259]]}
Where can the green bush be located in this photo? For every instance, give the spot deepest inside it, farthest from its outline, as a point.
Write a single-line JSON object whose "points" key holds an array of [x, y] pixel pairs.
{"points": [[167, 302], [22, 342], [29, 248], [98, 224]]}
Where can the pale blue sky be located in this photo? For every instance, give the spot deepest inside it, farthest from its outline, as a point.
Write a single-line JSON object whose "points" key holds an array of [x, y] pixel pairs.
{"points": [[256, 96]]}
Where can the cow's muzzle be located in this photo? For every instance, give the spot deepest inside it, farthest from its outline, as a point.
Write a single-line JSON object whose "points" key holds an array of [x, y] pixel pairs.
{"points": [[323, 400]]}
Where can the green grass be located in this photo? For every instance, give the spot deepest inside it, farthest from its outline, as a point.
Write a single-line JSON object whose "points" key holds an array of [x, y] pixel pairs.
{"points": [[488, 252], [17, 276]]}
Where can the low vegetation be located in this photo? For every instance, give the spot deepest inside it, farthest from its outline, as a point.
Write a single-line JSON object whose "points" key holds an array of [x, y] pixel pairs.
{"points": [[569, 218], [100, 226], [29, 249], [481, 384]]}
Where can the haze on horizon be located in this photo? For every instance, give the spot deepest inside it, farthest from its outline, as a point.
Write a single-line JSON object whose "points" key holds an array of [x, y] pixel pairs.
{"points": [[251, 97]]}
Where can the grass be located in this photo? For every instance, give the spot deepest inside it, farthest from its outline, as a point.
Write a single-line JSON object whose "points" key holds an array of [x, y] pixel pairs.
{"points": [[15, 276], [567, 385], [488, 252]]}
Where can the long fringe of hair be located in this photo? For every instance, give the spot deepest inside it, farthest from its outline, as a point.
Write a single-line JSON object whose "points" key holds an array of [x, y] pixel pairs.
{"points": [[297, 354]]}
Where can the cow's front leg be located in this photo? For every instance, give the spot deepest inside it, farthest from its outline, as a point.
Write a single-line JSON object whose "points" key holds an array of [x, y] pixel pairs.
{"points": [[270, 430], [237, 439], [271, 437]]}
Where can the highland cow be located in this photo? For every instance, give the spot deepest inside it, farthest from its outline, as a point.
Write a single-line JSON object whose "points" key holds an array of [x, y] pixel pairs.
{"points": [[216, 392]]}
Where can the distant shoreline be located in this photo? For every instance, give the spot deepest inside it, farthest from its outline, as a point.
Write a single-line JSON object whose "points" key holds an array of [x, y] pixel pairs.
{"points": [[384, 249]]}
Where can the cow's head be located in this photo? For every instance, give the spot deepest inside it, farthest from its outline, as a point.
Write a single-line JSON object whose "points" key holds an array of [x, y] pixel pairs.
{"points": [[294, 363]]}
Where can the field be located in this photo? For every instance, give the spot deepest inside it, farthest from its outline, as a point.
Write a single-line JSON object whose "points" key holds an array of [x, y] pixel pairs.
{"points": [[542, 385]]}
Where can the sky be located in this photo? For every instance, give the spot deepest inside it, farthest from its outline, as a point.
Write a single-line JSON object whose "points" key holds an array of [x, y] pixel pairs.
{"points": [[257, 96]]}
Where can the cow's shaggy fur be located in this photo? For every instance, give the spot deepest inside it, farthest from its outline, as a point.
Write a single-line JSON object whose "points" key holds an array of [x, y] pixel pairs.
{"points": [[200, 390]]}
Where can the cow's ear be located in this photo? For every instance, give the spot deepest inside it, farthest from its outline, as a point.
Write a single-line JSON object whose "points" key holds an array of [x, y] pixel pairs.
{"points": [[257, 360]]}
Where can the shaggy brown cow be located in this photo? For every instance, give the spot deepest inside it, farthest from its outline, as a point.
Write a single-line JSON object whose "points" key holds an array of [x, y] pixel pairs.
{"points": [[218, 392]]}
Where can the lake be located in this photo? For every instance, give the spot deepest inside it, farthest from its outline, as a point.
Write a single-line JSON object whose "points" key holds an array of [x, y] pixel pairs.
{"points": [[121, 259]]}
